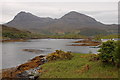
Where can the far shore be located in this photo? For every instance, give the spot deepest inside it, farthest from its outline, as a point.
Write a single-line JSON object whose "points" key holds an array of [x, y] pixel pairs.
{"points": [[25, 39], [85, 42]]}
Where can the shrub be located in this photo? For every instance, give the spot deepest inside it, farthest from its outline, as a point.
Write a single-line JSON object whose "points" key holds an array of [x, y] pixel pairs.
{"points": [[106, 51], [110, 52], [59, 55], [117, 54]]}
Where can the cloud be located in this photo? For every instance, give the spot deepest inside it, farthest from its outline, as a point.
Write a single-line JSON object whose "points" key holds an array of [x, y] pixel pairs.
{"points": [[60, 0], [105, 12]]}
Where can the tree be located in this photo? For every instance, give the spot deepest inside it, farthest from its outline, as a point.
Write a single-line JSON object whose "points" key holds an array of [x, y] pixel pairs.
{"points": [[110, 52], [106, 51], [117, 54]]}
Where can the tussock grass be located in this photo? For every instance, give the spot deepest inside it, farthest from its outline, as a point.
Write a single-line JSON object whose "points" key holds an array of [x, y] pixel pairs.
{"points": [[78, 67]]}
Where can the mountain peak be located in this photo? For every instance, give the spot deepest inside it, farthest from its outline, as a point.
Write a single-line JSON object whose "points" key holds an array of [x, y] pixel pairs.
{"points": [[78, 18], [23, 13], [73, 12], [25, 16]]}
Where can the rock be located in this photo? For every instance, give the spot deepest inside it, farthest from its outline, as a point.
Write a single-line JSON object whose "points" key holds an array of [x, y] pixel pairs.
{"points": [[25, 70], [33, 50], [86, 42], [33, 77], [30, 73], [94, 59], [35, 62]]}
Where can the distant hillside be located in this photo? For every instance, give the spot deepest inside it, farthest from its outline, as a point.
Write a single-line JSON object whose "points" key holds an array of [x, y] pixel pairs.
{"points": [[9, 32], [71, 22], [11, 29], [14, 33]]}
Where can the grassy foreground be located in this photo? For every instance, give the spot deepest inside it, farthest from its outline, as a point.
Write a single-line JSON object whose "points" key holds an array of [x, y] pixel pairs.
{"points": [[78, 67]]}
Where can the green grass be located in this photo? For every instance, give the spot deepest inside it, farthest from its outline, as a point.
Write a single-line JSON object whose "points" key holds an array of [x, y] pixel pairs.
{"points": [[110, 36], [75, 68]]}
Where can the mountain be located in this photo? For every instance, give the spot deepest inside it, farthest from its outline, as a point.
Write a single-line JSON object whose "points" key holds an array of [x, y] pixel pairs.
{"points": [[70, 22], [80, 20], [28, 20]]}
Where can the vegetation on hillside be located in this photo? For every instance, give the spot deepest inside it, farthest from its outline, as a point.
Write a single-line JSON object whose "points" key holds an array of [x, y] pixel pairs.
{"points": [[13, 33], [80, 66], [8, 32], [103, 65], [110, 36], [92, 31]]}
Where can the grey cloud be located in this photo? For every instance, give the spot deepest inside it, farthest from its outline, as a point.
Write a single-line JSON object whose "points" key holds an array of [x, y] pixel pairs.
{"points": [[104, 12]]}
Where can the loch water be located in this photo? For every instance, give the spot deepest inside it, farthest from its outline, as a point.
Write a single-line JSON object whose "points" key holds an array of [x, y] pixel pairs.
{"points": [[14, 55]]}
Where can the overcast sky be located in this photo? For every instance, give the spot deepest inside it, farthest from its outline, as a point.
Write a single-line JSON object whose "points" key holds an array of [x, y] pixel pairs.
{"points": [[105, 12]]}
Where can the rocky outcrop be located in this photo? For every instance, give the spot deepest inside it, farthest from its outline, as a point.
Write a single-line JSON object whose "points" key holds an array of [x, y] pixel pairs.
{"points": [[94, 44], [32, 69], [29, 69], [33, 50], [86, 42]]}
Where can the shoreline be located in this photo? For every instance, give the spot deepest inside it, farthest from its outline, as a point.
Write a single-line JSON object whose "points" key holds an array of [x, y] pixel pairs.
{"points": [[13, 40], [93, 63], [26, 69], [23, 40]]}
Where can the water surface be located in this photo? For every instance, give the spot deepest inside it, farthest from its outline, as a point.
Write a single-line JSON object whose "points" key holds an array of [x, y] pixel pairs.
{"points": [[13, 54]]}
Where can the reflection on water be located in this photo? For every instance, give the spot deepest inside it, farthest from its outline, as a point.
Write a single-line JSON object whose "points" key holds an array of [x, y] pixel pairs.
{"points": [[13, 54]]}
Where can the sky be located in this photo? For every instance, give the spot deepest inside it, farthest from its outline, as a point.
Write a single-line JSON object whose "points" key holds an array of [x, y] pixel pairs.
{"points": [[104, 11]]}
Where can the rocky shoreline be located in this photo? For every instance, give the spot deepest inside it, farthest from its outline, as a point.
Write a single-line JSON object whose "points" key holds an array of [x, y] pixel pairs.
{"points": [[13, 40], [32, 69], [28, 70]]}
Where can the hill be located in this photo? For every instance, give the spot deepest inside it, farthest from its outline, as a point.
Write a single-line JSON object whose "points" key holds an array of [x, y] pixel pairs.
{"points": [[70, 22], [9, 32], [14, 33]]}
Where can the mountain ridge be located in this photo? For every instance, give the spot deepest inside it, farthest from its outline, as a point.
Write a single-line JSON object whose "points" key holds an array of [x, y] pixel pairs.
{"points": [[70, 22]]}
